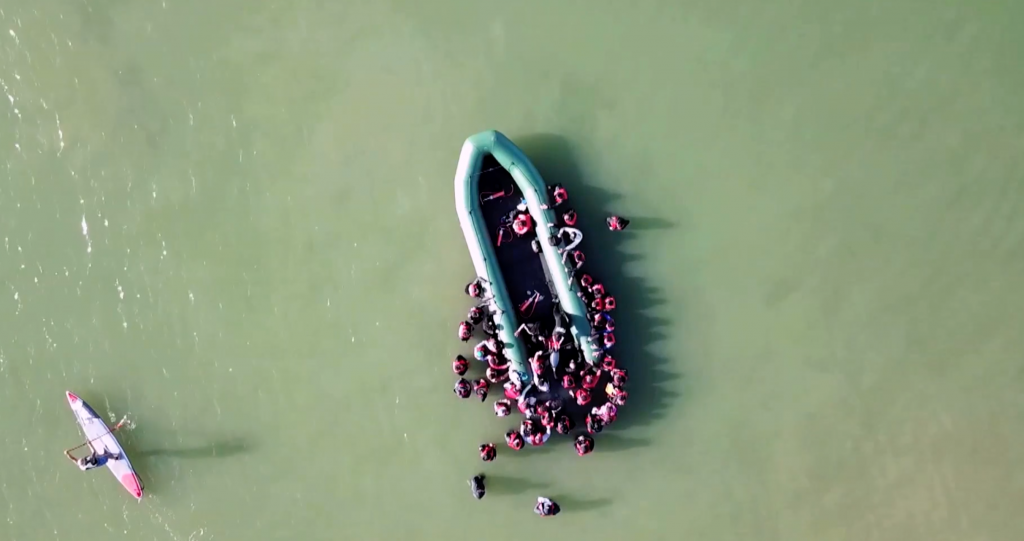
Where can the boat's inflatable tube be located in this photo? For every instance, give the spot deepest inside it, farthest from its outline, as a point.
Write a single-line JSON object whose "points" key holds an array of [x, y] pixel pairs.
{"points": [[481, 248]]}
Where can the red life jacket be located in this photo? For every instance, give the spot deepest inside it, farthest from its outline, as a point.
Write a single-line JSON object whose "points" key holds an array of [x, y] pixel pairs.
{"points": [[568, 382], [569, 218], [608, 363], [579, 258], [521, 224], [609, 303], [597, 290], [598, 304], [582, 397], [561, 195], [609, 340], [465, 330], [586, 280], [460, 366]]}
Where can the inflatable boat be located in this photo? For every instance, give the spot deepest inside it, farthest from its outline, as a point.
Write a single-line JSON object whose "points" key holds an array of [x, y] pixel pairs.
{"points": [[523, 275]]}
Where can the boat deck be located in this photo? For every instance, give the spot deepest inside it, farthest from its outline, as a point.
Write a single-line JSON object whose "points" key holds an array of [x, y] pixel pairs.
{"points": [[523, 270]]}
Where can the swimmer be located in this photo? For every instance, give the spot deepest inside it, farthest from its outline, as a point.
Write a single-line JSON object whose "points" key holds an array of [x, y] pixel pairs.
{"points": [[538, 437], [620, 398], [465, 331], [488, 452], [616, 223], [462, 388], [512, 390], [546, 507], [477, 486], [608, 340], [480, 387], [555, 405], [514, 440], [594, 424], [488, 327], [475, 315], [503, 408], [568, 383], [460, 365], [584, 444], [582, 397]]}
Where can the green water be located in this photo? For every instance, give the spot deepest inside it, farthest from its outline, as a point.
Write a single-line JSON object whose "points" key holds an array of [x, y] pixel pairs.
{"points": [[234, 222]]}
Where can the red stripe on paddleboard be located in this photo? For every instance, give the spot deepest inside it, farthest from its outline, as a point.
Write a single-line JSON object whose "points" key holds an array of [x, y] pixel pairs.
{"points": [[72, 398], [131, 482]]}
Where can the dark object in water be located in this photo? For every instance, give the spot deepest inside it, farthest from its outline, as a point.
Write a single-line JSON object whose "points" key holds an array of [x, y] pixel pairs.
{"points": [[477, 486]]}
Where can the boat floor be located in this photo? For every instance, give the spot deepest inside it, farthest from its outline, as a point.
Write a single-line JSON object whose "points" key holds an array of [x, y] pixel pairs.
{"points": [[523, 270]]}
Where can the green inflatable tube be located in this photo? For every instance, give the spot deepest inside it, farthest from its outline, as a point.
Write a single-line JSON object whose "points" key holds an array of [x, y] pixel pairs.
{"points": [[481, 246]]}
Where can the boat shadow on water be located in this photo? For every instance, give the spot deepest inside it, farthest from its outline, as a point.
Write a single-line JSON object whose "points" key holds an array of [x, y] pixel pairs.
{"points": [[653, 386], [155, 460]]}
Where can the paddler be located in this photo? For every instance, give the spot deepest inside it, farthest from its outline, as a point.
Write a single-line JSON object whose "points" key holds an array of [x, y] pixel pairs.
{"points": [[92, 460]]}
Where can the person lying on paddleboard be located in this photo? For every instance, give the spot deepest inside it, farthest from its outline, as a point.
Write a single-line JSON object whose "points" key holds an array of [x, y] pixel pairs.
{"points": [[92, 460]]}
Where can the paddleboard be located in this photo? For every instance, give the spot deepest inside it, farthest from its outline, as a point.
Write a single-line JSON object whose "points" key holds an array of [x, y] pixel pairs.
{"points": [[101, 439]]}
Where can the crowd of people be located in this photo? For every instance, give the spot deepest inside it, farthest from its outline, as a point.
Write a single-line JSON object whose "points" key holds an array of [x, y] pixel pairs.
{"points": [[563, 382]]}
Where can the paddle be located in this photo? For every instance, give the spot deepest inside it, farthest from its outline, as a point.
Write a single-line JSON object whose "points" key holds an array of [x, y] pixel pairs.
{"points": [[118, 425]]}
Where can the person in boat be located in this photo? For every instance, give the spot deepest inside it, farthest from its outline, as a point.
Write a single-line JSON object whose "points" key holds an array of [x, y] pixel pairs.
{"points": [[480, 387], [92, 460], [462, 388], [476, 485], [533, 330], [502, 408], [460, 365], [522, 224], [559, 194], [514, 440], [546, 507], [584, 444], [594, 424], [475, 289], [465, 331], [487, 452], [616, 223]]}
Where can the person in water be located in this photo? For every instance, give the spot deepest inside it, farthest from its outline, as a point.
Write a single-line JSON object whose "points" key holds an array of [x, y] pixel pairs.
{"points": [[582, 397], [92, 460], [616, 223], [594, 424], [565, 424], [559, 194], [465, 331], [475, 315], [584, 444], [514, 440], [460, 365], [475, 289], [503, 408], [546, 507], [480, 387], [620, 376], [462, 388], [477, 486], [487, 452], [569, 217], [496, 376]]}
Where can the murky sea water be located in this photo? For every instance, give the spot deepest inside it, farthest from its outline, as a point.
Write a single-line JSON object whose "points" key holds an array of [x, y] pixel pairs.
{"points": [[233, 221]]}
